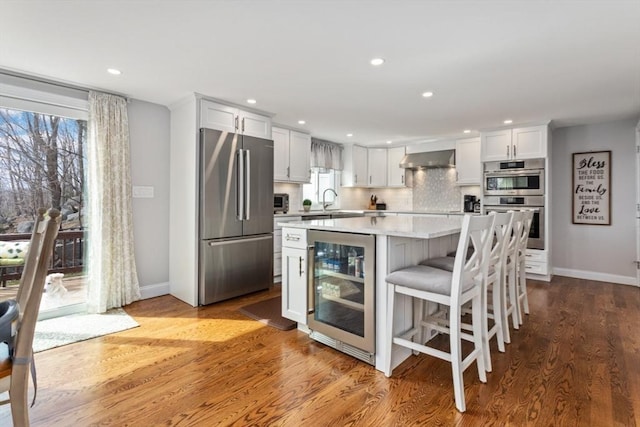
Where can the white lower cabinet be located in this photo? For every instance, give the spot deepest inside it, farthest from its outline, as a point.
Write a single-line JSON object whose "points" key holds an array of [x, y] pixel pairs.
{"points": [[277, 245], [294, 274], [536, 262]]}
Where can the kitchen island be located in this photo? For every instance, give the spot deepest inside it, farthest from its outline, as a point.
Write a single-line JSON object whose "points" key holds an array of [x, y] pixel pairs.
{"points": [[400, 241]]}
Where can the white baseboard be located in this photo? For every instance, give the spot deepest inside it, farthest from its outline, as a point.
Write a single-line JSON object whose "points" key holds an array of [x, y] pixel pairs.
{"points": [[155, 290], [594, 275]]}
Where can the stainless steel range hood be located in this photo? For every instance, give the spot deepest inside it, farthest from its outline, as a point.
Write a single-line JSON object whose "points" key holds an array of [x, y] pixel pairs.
{"points": [[429, 160]]}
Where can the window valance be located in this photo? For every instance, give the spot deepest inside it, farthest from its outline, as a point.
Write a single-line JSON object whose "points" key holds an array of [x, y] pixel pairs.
{"points": [[326, 154]]}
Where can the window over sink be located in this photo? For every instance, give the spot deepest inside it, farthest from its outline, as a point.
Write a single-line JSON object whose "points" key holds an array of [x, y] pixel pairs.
{"points": [[321, 180]]}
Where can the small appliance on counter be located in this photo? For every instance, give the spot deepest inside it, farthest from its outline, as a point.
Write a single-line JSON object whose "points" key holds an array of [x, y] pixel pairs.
{"points": [[476, 206], [280, 203], [381, 206], [469, 204]]}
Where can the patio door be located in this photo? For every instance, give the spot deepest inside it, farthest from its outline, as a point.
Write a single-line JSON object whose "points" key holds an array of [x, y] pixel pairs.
{"points": [[42, 146]]}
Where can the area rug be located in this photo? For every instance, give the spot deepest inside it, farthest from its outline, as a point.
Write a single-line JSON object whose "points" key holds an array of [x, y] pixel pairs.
{"points": [[269, 312], [65, 330]]}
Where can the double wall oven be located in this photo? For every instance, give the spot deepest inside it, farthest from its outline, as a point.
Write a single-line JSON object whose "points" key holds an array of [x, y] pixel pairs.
{"points": [[517, 185]]}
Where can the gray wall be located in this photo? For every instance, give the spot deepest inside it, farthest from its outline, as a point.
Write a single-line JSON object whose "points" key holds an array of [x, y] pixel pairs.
{"points": [[149, 138], [589, 251]]}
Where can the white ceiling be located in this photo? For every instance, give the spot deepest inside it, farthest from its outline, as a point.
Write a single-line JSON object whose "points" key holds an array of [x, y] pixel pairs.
{"points": [[572, 62]]}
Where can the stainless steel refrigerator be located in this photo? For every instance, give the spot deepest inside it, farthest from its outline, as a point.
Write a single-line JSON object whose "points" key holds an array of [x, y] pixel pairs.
{"points": [[236, 215]]}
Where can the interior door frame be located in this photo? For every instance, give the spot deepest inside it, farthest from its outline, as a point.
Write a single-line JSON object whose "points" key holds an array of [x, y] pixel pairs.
{"points": [[637, 262]]}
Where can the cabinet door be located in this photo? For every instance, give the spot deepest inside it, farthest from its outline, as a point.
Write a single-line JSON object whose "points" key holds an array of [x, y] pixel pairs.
{"points": [[529, 142], [294, 284], [395, 174], [217, 116], [299, 157], [496, 145], [468, 163], [255, 125], [377, 167], [360, 178], [280, 154]]}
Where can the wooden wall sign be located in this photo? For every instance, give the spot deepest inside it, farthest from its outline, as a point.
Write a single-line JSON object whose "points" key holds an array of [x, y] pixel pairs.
{"points": [[592, 188]]}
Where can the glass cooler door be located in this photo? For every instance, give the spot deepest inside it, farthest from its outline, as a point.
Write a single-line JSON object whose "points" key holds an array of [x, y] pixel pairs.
{"points": [[342, 287]]}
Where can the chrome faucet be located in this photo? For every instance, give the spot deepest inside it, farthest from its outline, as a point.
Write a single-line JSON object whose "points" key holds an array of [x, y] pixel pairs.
{"points": [[325, 205]]}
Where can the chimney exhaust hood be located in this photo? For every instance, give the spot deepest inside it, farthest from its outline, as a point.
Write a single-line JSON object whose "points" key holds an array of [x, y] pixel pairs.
{"points": [[429, 160]]}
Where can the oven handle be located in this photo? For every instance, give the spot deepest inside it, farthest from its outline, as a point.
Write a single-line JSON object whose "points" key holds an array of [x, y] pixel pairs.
{"points": [[520, 172], [506, 208]]}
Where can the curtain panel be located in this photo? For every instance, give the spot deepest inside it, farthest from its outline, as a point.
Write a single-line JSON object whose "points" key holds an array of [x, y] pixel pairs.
{"points": [[112, 275], [326, 154]]}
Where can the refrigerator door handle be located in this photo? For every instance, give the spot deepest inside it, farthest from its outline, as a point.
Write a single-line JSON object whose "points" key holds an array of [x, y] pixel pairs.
{"points": [[240, 189], [247, 184], [233, 240]]}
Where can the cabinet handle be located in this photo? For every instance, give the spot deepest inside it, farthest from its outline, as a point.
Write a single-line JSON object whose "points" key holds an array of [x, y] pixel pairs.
{"points": [[243, 125], [369, 179], [288, 172], [402, 178], [300, 262], [236, 121], [355, 178], [514, 152], [293, 238], [507, 151]]}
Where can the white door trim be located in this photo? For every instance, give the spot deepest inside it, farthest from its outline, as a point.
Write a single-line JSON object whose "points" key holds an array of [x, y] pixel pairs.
{"points": [[638, 204]]}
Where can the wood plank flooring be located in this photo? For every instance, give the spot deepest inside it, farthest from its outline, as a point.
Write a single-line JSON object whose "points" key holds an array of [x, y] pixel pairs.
{"points": [[575, 362]]}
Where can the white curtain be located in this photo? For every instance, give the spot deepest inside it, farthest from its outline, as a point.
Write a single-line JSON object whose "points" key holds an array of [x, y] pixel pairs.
{"points": [[325, 154], [112, 276]]}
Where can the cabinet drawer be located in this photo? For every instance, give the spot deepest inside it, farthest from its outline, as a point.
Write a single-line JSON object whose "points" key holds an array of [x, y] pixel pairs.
{"points": [[277, 241], [294, 238], [534, 267], [277, 264], [537, 256]]}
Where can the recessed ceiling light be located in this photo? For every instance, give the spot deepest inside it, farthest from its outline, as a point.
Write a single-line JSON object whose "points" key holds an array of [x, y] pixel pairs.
{"points": [[114, 71], [508, 122], [349, 135], [251, 101], [388, 142], [377, 61], [301, 122], [427, 94], [466, 131]]}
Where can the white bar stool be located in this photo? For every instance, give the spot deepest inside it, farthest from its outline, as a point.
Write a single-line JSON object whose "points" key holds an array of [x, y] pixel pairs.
{"points": [[452, 289]]}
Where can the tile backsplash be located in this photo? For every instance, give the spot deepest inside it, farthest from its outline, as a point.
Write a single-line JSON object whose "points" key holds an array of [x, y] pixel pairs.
{"points": [[433, 189], [436, 189]]}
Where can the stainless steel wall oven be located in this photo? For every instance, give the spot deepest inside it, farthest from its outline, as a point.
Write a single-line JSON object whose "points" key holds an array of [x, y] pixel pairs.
{"points": [[514, 178], [507, 203], [342, 292]]}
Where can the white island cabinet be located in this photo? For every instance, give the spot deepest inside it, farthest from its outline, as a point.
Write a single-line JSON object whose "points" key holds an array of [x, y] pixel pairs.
{"points": [[399, 242]]}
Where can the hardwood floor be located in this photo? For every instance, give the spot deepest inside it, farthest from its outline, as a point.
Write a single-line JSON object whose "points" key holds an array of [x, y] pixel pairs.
{"points": [[575, 362]]}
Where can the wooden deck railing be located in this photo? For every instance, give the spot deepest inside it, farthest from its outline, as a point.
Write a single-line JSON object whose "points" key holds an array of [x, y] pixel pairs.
{"points": [[68, 254]]}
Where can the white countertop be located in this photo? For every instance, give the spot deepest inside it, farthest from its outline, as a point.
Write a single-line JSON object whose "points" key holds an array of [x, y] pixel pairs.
{"points": [[369, 211], [422, 227]]}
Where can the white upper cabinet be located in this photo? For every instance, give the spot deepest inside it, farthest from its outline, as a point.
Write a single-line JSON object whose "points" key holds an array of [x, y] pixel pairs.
{"points": [[281, 144], [515, 144], [377, 167], [232, 119], [396, 176], [291, 155], [468, 164], [354, 173], [300, 157], [529, 142]]}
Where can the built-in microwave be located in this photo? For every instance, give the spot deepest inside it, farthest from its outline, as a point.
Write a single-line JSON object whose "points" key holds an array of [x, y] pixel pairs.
{"points": [[280, 202], [514, 178]]}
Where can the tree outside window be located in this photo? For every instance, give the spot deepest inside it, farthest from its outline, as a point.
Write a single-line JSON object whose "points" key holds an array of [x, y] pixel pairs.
{"points": [[42, 164]]}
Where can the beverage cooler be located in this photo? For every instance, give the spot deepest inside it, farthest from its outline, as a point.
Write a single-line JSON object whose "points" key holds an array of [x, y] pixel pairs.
{"points": [[342, 292]]}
